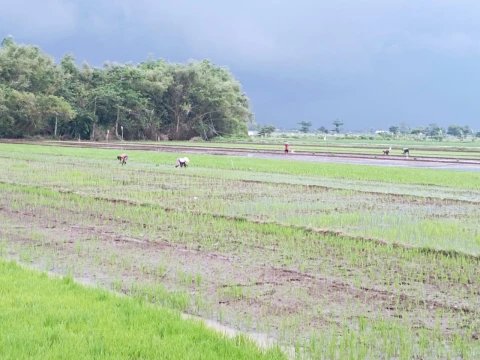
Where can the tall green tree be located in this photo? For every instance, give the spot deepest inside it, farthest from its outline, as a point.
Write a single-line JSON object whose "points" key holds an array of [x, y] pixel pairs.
{"points": [[305, 126], [323, 129], [266, 130], [455, 130], [337, 123], [404, 128], [38, 97], [27, 68], [394, 129]]}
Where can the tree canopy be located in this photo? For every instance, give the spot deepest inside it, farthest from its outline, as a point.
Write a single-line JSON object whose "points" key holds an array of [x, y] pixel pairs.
{"points": [[150, 99], [337, 123], [266, 130], [305, 126]]}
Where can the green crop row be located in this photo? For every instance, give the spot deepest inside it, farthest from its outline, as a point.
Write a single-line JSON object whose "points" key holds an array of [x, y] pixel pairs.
{"points": [[44, 318], [426, 177]]}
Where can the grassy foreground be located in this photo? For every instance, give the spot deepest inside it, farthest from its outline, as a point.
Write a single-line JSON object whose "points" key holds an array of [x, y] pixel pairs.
{"points": [[44, 318]]}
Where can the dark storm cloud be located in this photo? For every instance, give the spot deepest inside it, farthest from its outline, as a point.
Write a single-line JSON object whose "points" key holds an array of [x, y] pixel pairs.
{"points": [[370, 62]]}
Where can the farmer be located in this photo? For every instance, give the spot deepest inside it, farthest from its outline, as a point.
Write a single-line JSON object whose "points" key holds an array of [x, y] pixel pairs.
{"points": [[123, 159], [182, 162], [386, 152], [286, 148], [406, 151]]}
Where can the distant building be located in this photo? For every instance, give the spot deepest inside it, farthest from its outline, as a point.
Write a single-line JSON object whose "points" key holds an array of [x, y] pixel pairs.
{"points": [[252, 133]]}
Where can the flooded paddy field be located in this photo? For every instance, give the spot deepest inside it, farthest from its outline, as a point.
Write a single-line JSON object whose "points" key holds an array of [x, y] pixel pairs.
{"points": [[333, 266]]}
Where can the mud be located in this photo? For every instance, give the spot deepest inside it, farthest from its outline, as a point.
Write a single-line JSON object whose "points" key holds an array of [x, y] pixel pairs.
{"points": [[236, 288]]}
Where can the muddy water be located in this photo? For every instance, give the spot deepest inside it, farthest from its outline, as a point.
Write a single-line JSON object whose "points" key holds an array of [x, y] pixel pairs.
{"points": [[410, 163], [262, 340]]}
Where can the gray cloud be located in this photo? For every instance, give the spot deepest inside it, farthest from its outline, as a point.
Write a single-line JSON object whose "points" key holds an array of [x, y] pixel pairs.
{"points": [[271, 34], [34, 19], [363, 58]]}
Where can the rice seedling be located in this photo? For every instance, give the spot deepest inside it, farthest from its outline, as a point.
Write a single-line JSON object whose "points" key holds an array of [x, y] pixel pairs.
{"points": [[91, 323], [330, 267]]}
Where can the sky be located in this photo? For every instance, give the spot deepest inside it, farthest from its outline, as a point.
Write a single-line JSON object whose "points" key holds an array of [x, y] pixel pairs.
{"points": [[369, 63]]}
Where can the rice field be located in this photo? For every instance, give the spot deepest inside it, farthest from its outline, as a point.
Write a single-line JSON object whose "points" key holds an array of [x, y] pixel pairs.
{"points": [[424, 150], [45, 318], [464, 151], [333, 261]]}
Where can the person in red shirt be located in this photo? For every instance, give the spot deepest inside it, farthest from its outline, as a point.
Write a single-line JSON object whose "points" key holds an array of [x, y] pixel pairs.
{"points": [[123, 159], [286, 148]]}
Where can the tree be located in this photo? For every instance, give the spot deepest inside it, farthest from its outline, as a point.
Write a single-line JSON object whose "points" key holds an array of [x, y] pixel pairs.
{"points": [[52, 108], [305, 126], [337, 123], [466, 130], [8, 41], [20, 116], [147, 100], [394, 129], [404, 128], [266, 130], [455, 130], [417, 131], [27, 68], [323, 129], [434, 131], [204, 100]]}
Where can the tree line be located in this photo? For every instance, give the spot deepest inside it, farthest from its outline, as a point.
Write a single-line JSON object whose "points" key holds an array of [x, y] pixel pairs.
{"points": [[267, 130], [435, 131], [154, 99]]}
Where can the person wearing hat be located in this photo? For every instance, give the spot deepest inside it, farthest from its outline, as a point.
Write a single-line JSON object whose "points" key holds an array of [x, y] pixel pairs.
{"points": [[123, 159], [182, 162]]}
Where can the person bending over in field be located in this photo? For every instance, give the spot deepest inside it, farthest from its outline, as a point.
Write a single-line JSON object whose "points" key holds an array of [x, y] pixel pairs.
{"points": [[182, 162], [123, 159], [286, 148], [386, 152], [406, 151]]}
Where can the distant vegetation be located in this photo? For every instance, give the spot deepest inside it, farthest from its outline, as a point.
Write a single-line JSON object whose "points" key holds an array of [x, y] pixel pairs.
{"points": [[403, 131], [138, 102]]}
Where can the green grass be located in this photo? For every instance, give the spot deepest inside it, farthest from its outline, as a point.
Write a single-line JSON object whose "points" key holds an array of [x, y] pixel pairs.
{"points": [[44, 318], [455, 179]]}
